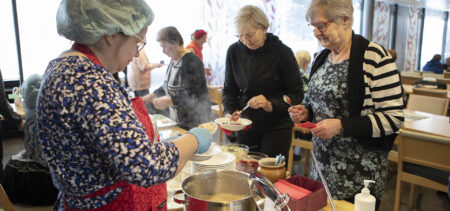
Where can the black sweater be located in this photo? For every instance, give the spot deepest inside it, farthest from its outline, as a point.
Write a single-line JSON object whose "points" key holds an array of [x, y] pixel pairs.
{"points": [[271, 71]]}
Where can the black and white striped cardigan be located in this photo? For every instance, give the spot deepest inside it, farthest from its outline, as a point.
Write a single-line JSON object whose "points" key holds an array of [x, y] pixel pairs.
{"points": [[375, 94]]}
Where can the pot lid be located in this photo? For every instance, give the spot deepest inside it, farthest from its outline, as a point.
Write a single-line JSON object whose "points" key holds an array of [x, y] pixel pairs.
{"points": [[263, 190]]}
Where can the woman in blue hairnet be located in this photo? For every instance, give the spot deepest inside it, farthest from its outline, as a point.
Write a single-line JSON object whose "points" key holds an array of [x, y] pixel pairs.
{"points": [[97, 150]]}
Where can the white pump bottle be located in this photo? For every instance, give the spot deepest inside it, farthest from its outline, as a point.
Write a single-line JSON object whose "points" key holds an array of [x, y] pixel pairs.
{"points": [[364, 201]]}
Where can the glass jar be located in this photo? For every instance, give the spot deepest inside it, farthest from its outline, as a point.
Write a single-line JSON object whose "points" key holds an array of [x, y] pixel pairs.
{"points": [[273, 173], [249, 163], [238, 150]]}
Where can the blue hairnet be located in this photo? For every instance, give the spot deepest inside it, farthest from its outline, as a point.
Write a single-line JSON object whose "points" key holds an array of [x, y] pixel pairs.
{"points": [[85, 21]]}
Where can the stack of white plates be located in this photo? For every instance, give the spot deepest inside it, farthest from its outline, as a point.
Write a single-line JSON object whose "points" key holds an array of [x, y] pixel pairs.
{"points": [[223, 160]]}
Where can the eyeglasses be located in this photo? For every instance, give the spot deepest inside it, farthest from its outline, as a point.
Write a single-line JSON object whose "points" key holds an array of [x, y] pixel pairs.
{"points": [[141, 44], [321, 26], [246, 36]]}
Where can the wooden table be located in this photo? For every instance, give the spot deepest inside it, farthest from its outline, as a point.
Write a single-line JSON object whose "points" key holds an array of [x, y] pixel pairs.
{"points": [[432, 124], [341, 205], [408, 89]]}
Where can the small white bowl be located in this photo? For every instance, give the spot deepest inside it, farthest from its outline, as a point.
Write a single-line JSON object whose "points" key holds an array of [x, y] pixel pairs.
{"points": [[225, 123]]}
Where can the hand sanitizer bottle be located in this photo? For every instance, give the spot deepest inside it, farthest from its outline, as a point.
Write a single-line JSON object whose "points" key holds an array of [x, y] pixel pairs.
{"points": [[364, 201]]}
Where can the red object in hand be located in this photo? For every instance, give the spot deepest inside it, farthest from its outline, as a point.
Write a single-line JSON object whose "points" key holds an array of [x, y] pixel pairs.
{"points": [[235, 116], [307, 124]]}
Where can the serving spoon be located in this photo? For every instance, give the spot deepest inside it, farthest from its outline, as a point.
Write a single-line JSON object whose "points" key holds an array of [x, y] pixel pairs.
{"points": [[237, 114], [287, 100]]}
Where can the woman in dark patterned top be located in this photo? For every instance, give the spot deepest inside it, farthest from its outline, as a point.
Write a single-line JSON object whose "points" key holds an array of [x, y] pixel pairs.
{"points": [[355, 98], [184, 90], [98, 152]]}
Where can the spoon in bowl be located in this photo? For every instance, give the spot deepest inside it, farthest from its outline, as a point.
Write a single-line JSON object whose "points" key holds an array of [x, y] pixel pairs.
{"points": [[287, 100], [237, 114]]}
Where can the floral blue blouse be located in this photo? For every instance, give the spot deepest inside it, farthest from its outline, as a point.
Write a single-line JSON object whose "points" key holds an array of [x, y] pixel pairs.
{"points": [[345, 164], [92, 138]]}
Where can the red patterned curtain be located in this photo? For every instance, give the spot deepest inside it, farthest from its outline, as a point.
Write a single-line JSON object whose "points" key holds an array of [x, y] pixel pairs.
{"points": [[381, 23], [411, 41]]}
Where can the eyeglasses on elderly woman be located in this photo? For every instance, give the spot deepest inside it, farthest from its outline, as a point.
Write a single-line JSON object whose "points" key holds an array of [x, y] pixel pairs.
{"points": [[321, 26], [141, 44]]}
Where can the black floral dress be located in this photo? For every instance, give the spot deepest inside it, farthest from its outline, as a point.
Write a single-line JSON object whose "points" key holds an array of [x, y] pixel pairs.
{"points": [[343, 161]]}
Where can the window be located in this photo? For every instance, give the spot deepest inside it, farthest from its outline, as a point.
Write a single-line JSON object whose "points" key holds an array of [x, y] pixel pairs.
{"points": [[39, 39], [8, 54], [433, 35]]}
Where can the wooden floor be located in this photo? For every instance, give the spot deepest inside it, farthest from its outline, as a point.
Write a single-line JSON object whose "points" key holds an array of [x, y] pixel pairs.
{"points": [[427, 200]]}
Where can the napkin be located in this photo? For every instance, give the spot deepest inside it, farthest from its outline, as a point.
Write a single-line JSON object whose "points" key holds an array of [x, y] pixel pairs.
{"points": [[307, 124], [228, 132], [292, 190]]}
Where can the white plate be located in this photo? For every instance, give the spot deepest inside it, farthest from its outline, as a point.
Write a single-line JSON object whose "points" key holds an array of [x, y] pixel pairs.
{"points": [[223, 158], [224, 123], [211, 126], [162, 121], [213, 149]]}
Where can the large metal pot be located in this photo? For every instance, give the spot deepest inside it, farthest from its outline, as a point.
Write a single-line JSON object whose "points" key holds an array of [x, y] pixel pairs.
{"points": [[199, 188]]}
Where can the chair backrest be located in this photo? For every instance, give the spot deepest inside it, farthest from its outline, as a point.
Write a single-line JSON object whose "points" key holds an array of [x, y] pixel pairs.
{"points": [[4, 200], [432, 75], [215, 95], [430, 92], [434, 105], [410, 79], [447, 75], [444, 81], [424, 149]]}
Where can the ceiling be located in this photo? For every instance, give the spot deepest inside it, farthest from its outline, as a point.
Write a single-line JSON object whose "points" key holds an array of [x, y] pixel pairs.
{"points": [[443, 5]]}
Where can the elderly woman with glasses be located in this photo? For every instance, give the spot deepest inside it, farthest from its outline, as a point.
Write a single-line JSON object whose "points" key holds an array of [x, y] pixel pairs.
{"points": [[355, 100], [184, 89], [260, 69], [98, 152]]}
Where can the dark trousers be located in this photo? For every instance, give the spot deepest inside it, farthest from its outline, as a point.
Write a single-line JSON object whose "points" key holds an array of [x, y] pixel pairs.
{"points": [[270, 143]]}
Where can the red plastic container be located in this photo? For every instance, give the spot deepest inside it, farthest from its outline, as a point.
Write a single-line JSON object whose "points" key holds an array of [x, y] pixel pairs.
{"points": [[312, 202]]}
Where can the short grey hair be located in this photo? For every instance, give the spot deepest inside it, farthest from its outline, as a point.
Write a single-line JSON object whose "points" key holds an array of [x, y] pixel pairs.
{"points": [[302, 56], [332, 9], [171, 35], [251, 15]]}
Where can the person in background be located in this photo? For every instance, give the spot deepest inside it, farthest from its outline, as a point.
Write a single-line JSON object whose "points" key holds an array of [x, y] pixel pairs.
{"points": [[303, 59], [96, 147], [434, 65], [184, 89], [139, 78], [259, 70], [355, 100], [27, 176], [10, 116], [446, 66], [393, 53], [198, 38]]}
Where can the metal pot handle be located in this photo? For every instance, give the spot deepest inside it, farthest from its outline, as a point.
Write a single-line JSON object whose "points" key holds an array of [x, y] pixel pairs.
{"points": [[178, 201]]}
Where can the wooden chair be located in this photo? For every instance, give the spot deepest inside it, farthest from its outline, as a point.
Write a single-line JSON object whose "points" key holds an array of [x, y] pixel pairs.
{"points": [[410, 79], [434, 105], [423, 150], [304, 144], [4, 200], [432, 75], [444, 81], [430, 92], [215, 95], [447, 75]]}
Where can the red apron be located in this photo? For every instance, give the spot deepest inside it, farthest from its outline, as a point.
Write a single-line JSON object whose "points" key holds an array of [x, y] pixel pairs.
{"points": [[132, 197]]}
